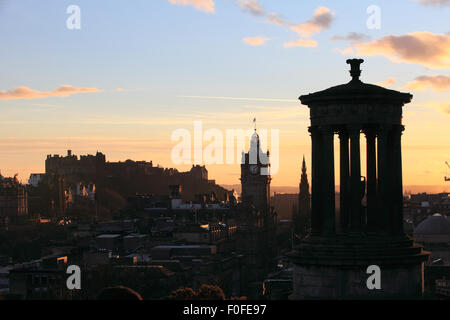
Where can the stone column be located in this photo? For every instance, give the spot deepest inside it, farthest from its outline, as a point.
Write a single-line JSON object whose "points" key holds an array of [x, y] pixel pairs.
{"points": [[383, 188], [316, 210], [344, 178], [355, 179], [395, 158], [371, 179], [327, 180]]}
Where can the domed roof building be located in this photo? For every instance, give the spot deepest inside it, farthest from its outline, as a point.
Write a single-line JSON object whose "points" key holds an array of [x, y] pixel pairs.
{"points": [[434, 229]]}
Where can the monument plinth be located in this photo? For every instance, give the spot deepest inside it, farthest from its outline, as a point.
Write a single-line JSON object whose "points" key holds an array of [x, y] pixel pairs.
{"points": [[332, 261]]}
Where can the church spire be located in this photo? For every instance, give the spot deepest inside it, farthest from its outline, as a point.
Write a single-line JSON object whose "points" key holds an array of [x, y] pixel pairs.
{"points": [[303, 165], [302, 222], [304, 184]]}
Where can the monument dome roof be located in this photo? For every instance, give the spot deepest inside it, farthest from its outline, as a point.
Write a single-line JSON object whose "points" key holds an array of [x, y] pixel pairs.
{"points": [[435, 224], [356, 90]]}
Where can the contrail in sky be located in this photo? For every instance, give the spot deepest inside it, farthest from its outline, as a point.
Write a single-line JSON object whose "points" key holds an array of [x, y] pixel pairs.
{"points": [[241, 99]]}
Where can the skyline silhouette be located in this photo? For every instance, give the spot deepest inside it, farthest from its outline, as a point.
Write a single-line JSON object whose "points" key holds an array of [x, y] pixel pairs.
{"points": [[224, 150]]}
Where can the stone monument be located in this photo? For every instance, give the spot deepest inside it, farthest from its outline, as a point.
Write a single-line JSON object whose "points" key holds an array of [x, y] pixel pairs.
{"points": [[332, 261]]}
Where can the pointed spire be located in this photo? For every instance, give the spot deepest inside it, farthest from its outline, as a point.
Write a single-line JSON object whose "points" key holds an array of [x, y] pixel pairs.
{"points": [[255, 137], [304, 165], [304, 184]]}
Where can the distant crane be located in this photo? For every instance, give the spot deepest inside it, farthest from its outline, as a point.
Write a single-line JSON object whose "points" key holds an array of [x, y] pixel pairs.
{"points": [[447, 178]]}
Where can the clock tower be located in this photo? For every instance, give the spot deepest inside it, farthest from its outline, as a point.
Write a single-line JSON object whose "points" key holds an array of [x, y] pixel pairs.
{"points": [[255, 176], [258, 219]]}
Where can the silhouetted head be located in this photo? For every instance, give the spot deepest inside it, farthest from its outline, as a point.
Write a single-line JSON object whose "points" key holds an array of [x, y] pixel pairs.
{"points": [[118, 293]]}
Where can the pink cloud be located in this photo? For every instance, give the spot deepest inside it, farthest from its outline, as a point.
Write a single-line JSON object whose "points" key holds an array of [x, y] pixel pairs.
{"points": [[434, 82], [201, 5], [255, 41], [322, 19], [27, 93], [425, 48]]}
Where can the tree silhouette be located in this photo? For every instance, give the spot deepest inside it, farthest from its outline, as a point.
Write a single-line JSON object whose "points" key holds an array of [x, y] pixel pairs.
{"points": [[210, 292], [205, 292], [183, 294]]}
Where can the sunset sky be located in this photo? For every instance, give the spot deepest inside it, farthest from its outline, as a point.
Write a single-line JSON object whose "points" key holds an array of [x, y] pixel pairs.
{"points": [[138, 70]]}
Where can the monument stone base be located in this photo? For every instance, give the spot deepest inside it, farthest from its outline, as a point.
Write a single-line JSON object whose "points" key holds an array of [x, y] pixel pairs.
{"points": [[336, 267]]}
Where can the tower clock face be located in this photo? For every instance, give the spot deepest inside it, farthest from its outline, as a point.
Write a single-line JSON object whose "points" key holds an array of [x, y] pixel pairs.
{"points": [[254, 169]]}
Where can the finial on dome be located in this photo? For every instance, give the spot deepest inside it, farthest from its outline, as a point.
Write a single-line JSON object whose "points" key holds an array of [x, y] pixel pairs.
{"points": [[355, 70]]}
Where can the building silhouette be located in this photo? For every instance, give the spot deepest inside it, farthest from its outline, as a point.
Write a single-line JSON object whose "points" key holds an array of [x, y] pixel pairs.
{"points": [[13, 201], [129, 177], [332, 261], [255, 176], [302, 218], [257, 219]]}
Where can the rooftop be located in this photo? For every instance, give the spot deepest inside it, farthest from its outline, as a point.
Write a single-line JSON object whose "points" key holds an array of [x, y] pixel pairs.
{"points": [[435, 224], [356, 90]]}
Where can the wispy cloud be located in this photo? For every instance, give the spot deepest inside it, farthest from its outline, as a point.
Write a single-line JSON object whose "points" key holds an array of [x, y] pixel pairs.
{"points": [[239, 98], [252, 6], [388, 82], [282, 116], [276, 19], [424, 48], [255, 41], [345, 52], [256, 9], [353, 37], [435, 82], [322, 19], [48, 144], [275, 115], [434, 2], [301, 43], [201, 5], [131, 121], [123, 90], [27, 93]]}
